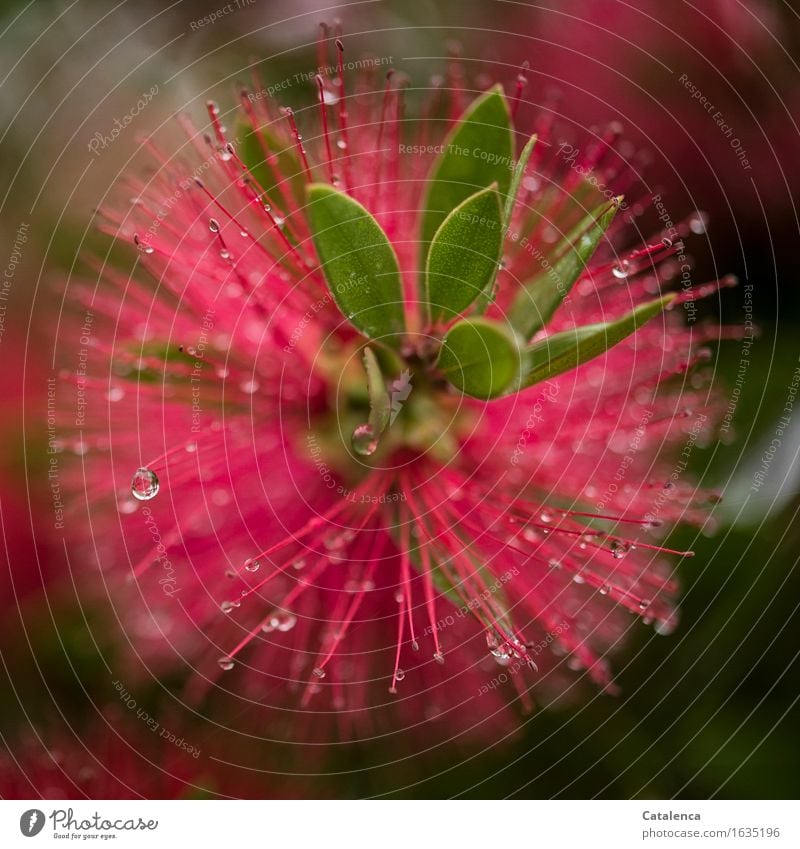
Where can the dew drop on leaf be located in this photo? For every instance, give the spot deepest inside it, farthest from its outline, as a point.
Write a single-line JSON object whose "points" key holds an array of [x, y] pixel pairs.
{"points": [[364, 440]]}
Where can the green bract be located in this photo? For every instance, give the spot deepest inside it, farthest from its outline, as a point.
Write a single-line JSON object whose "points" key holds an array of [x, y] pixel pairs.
{"points": [[359, 263], [565, 351], [480, 357], [463, 257], [534, 306], [477, 152]]}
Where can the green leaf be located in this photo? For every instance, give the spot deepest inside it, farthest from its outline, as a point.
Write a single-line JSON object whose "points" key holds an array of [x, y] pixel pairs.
{"points": [[480, 357], [359, 263], [565, 351], [477, 152], [539, 298], [365, 436], [516, 177], [487, 295], [464, 254], [255, 147]]}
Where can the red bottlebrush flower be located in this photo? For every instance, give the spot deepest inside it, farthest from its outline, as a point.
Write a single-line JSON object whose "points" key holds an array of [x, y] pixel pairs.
{"points": [[397, 398]]}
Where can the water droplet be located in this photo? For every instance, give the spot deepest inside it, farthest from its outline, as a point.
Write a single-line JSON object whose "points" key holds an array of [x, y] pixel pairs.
{"points": [[438, 657], [282, 620], [228, 606], [619, 549], [213, 225], [225, 663], [414, 645], [577, 578], [399, 675], [144, 484], [698, 223], [116, 393], [667, 243], [341, 144], [364, 440], [553, 563], [249, 387], [299, 564], [644, 604], [621, 270], [252, 565], [319, 673], [605, 589]]}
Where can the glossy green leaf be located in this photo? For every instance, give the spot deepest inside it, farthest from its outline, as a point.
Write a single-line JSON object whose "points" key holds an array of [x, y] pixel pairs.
{"points": [[465, 250], [539, 298], [487, 295], [477, 152], [366, 436], [480, 357], [565, 351], [359, 263]]}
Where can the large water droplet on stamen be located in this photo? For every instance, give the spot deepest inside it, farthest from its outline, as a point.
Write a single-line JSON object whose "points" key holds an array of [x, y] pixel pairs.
{"points": [[225, 663], [621, 270], [364, 440], [399, 675], [252, 565], [213, 225], [144, 484]]}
